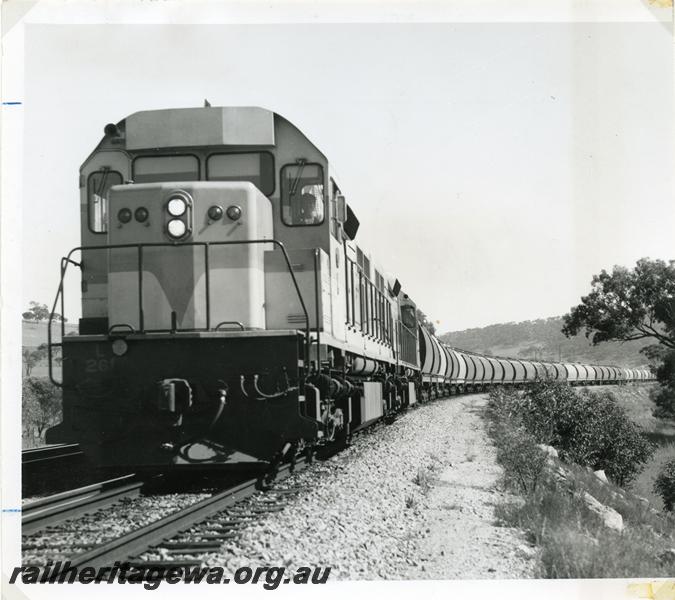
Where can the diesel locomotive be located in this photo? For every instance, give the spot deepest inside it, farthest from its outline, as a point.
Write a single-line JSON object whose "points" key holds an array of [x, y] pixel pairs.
{"points": [[229, 315]]}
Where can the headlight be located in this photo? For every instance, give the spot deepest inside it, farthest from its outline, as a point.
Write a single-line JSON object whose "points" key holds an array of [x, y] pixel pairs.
{"points": [[176, 228], [176, 206], [124, 215], [215, 213], [234, 212], [141, 214]]}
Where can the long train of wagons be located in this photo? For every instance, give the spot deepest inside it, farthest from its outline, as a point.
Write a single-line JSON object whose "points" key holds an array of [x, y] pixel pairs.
{"points": [[228, 314]]}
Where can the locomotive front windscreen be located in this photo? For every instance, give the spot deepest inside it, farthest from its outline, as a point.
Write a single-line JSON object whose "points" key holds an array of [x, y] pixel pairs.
{"points": [[255, 167], [153, 169]]}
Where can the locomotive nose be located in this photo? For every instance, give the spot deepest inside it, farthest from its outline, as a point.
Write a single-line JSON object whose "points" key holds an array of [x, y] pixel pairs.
{"points": [[193, 238]]}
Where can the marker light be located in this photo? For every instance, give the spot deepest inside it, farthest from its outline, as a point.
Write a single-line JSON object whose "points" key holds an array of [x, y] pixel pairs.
{"points": [[215, 213], [141, 214], [124, 215], [234, 212], [176, 228], [176, 207], [119, 347]]}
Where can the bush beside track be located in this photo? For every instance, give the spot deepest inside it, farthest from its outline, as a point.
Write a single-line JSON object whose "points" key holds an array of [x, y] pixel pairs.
{"points": [[590, 431], [40, 409]]}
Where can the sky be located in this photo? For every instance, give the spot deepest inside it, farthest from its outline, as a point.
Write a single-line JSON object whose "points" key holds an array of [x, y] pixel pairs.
{"points": [[495, 167]]}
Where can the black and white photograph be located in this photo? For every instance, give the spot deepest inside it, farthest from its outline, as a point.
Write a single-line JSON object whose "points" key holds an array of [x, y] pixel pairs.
{"points": [[338, 298]]}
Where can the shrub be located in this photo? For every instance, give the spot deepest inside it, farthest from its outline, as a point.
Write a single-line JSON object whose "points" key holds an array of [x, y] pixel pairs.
{"points": [[664, 395], [550, 412], [588, 428], [523, 462], [605, 438], [664, 398], [572, 541], [41, 408], [504, 403], [665, 485]]}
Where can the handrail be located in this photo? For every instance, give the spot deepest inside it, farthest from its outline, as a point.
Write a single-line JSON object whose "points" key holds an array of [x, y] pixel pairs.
{"points": [[237, 323], [316, 300], [112, 329], [140, 247], [59, 294]]}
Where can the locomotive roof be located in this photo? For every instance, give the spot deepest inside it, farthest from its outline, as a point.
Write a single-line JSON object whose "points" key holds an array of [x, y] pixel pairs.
{"points": [[210, 126], [205, 126]]}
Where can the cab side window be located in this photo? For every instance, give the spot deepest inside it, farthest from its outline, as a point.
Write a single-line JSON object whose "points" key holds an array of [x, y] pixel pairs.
{"points": [[98, 186], [302, 194], [408, 316], [334, 225]]}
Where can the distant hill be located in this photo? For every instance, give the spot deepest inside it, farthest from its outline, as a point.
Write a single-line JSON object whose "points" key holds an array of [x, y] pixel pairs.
{"points": [[536, 340], [542, 340]]}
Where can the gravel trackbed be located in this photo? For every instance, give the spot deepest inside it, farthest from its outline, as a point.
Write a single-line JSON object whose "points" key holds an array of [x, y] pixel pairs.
{"points": [[411, 500]]}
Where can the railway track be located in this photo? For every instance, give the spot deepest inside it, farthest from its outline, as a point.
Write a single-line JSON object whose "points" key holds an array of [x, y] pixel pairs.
{"points": [[54, 468], [190, 532], [54, 509], [50, 454]]}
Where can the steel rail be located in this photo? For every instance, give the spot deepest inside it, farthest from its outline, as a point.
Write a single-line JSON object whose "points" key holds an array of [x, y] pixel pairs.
{"points": [[33, 456], [125, 547], [74, 503]]}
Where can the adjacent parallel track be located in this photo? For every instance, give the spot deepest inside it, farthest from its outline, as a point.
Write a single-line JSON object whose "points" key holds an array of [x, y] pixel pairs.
{"points": [[74, 503], [161, 534], [49, 454]]}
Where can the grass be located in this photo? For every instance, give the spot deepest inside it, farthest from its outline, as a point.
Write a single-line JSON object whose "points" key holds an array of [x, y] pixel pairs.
{"points": [[635, 400], [572, 541], [423, 479]]}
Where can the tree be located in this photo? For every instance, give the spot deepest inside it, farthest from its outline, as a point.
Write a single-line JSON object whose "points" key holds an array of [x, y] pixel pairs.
{"points": [[633, 305], [39, 312], [628, 305], [32, 357], [424, 322], [41, 408]]}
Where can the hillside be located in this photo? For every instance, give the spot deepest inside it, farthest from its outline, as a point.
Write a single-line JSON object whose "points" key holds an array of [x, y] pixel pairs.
{"points": [[542, 340]]}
